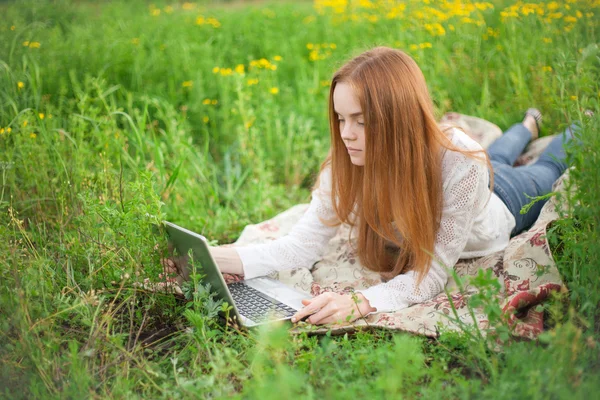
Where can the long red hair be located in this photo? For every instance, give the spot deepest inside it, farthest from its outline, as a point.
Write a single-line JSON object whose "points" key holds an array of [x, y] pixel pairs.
{"points": [[395, 200]]}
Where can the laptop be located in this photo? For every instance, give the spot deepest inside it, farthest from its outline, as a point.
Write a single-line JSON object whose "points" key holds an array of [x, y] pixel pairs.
{"points": [[255, 301]]}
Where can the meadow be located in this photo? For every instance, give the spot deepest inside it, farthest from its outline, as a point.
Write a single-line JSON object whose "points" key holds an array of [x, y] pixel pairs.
{"points": [[117, 115]]}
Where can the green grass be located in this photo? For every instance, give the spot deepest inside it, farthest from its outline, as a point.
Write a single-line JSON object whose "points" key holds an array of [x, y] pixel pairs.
{"points": [[117, 121]]}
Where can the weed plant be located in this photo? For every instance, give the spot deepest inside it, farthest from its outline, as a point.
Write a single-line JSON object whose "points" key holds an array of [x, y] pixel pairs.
{"points": [[117, 115]]}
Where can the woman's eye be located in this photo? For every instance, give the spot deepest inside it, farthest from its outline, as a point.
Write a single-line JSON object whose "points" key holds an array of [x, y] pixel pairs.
{"points": [[361, 123]]}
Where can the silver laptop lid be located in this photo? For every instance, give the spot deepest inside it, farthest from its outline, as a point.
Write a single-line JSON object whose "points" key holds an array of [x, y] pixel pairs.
{"points": [[184, 240]]}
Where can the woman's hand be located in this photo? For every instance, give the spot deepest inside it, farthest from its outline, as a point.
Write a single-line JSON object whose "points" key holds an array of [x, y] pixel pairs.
{"points": [[330, 307]]}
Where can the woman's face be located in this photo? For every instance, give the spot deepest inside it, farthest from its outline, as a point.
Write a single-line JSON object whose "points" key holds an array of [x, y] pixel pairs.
{"points": [[351, 122]]}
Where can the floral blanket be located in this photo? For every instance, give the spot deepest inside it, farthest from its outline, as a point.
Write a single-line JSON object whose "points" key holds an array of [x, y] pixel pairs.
{"points": [[525, 270]]}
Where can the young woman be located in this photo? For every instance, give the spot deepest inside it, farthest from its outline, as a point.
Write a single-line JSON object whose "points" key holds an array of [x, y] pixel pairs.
{"points": [[418, 196]]}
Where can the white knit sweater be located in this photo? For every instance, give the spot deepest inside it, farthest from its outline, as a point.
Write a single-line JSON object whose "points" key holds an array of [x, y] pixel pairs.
{"points": [[471, 226]]}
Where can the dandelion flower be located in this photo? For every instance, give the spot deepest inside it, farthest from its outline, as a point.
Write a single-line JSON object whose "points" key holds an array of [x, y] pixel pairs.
{"points": [[12, 28], [274, 90], [24, 124], [251, 82], [26, 43], [226, 71], [41, 115], [239, 69], [277, 58], [216, 70], [187, 84], [205, 119], [214, 102], [20, 85], [573, 98], [32, 135], [547, 68], [206, 102]]}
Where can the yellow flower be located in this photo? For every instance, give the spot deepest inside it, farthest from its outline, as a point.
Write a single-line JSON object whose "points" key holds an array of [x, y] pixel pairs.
{"points": [[216, 70], [251, 82], [41, 115], [277, 58], [547, 40], [573, 98], [547, 68], [214, 102], [34, 45], [274, 90], [188, 6], [205, 119], [413, 47], [206, 101], [226, 71], [135, 41], [12, 28], [248, 124], [239, 69], [325, 83], [155, 12], [310, 46], [32, 135], [187, 84], [26, 43], [20, 85], [24, 124], [168, 9], [8, 130], [1, 131]]}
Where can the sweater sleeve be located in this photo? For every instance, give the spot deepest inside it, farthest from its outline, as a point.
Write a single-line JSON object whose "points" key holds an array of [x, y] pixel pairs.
{"points": [[465, 191], [303, 245]]}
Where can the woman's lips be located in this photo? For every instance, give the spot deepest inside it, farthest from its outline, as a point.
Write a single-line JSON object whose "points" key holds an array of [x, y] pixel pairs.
{"points": [[351, 150]]}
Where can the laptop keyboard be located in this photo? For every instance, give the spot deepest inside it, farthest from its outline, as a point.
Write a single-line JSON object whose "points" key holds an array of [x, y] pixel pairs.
{"points": [[257, 306]]}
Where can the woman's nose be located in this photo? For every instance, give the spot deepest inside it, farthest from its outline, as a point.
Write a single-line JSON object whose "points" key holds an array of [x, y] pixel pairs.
{"points": [[347, 133]]}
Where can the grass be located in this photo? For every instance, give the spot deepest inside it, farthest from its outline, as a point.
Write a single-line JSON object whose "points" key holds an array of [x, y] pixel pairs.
{"points": [[116, 115]]}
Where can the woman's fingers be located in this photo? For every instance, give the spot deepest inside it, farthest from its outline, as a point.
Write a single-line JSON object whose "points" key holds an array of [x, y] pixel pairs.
{"points": [[326, 313], [168, 265], [315, 305]]}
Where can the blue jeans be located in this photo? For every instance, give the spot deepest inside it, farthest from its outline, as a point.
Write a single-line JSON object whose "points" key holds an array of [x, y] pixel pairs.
{"points": [[512, 184]]}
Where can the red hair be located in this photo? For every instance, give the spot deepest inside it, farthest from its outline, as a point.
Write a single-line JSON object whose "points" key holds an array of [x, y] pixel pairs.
{"points": [[395, 200]]}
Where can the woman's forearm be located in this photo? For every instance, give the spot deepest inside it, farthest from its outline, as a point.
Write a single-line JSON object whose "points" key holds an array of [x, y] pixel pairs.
{"points": [[228, 260]]}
